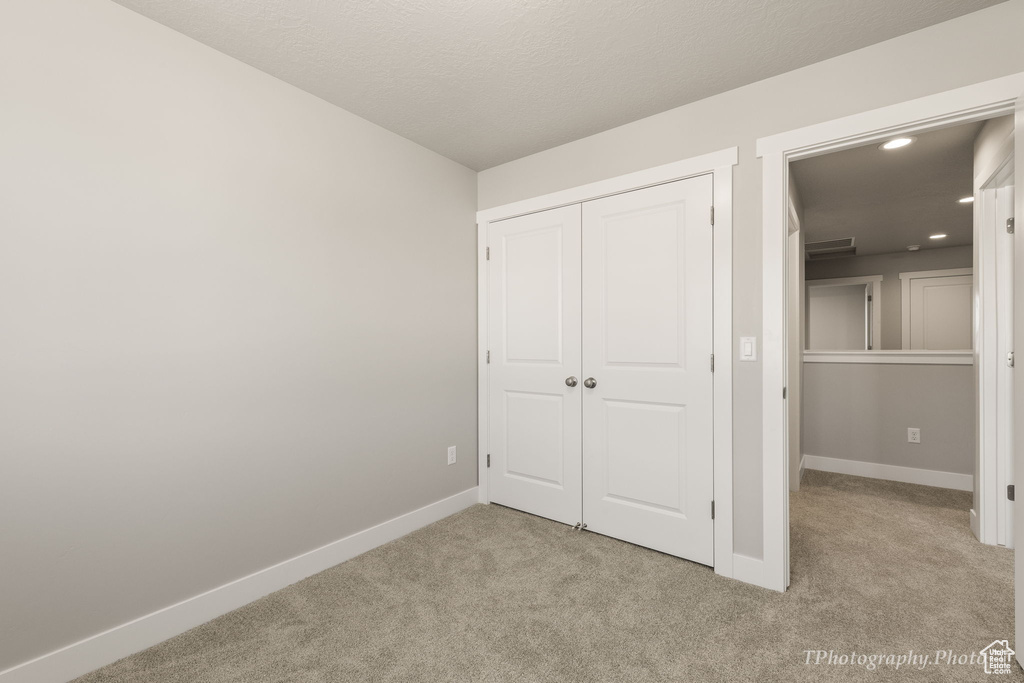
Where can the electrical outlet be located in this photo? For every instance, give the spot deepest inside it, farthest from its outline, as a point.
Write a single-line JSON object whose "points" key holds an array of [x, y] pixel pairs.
{"points": [[913, 435], [451, 455]]}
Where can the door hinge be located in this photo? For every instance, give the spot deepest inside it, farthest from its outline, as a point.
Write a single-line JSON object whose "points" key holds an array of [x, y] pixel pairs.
{"points": [[488, 253], [783, 393], [488, 459], [1009, 492], [1009, 359], [712, 215], [712, 362], [712, 509], [488, 356], [1009, 225], [870, 298]]}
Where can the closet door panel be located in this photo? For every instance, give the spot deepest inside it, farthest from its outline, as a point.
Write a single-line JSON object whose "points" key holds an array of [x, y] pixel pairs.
{"points": [[647, 344], [533, 323]]}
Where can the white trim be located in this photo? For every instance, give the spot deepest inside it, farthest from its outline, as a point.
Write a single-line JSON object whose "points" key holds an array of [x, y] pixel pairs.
{"points": [[893, 357], [907, 475], [794, 218], [666, 173], [906, 283], [876, 300], [977, 102], [748, 570], [972, 103], [946, 272], [481, 362], [774, 369], [840, 281], [720, 165], [103, 648], [993, 334], [723, 312], [803, 466]]}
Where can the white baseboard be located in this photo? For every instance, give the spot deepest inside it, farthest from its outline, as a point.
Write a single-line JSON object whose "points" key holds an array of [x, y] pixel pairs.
{"points": [[748, 570], [109, 646], [975, 524], [907, 475], [803, 466]]}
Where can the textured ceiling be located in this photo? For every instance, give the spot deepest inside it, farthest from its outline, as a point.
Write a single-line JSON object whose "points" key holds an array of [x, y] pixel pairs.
{"points": [[487, 81], [888, 200]]}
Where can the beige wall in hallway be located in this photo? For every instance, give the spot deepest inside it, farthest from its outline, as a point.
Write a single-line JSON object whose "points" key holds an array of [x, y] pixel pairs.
{"points": [[239, 322], [977, 47]]}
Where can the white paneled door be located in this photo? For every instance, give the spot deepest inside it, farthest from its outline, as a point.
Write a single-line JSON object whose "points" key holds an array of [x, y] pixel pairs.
{"points": [[600, 394], [535, 355], [941, 313], [647, 345]]}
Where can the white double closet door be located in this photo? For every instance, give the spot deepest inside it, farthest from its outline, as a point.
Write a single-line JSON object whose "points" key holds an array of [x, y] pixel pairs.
{"points": [[600, 380]]}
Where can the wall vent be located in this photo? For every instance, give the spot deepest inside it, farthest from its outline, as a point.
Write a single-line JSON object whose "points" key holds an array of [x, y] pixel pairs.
{"points": [[830, 249]]}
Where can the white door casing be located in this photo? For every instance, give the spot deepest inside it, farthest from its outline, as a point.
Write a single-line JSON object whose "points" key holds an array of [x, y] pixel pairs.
{"points": [[1004, 384], [1018, 396], [534, 336], [648, 340]]}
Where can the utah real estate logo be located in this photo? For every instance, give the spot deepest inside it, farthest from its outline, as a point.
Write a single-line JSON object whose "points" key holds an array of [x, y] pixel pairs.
{"points": [[998, 657]]}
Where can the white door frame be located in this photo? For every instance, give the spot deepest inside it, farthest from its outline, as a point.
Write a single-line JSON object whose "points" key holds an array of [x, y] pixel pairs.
{"points": [[992, 521], [718, 163], [971, 103]]}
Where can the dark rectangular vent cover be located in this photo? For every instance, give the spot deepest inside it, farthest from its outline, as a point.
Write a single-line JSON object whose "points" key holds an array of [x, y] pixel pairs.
{"points": [[830, 249], [828, 245], [833, 253]]}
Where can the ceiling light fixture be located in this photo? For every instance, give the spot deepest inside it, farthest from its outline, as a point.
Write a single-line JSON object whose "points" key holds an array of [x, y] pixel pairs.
{"points": [[966, 200], [913, 247], [940, 236], [896, 143]]}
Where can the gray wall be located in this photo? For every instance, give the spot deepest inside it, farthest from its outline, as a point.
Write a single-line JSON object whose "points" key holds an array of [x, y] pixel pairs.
{"points": [[970, 49], [862, 412], [889, 266], [239, 322]]}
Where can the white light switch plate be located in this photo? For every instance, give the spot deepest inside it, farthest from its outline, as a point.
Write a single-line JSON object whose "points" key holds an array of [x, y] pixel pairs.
{"points": [[748, 348]]}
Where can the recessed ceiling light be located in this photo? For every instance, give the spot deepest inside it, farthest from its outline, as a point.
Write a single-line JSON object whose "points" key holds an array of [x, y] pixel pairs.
{"points": [[913, 247], [896, 143], [966, 200], [940, 236]]}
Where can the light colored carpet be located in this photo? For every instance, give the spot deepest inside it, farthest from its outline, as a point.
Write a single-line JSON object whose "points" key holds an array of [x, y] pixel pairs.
{"points": [[492, 594]]}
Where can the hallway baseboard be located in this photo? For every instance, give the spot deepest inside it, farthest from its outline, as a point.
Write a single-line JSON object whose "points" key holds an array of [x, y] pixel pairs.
{"points": [[873, 470], [103, 648]]}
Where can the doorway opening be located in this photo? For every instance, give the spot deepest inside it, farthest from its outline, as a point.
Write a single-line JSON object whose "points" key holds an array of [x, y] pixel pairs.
{"points": [[975, 103], [980, 102], [881, 319]]}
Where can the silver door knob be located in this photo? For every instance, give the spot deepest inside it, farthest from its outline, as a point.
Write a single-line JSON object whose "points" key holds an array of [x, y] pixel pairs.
{"points": [[570, 382], [590, 383]]}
